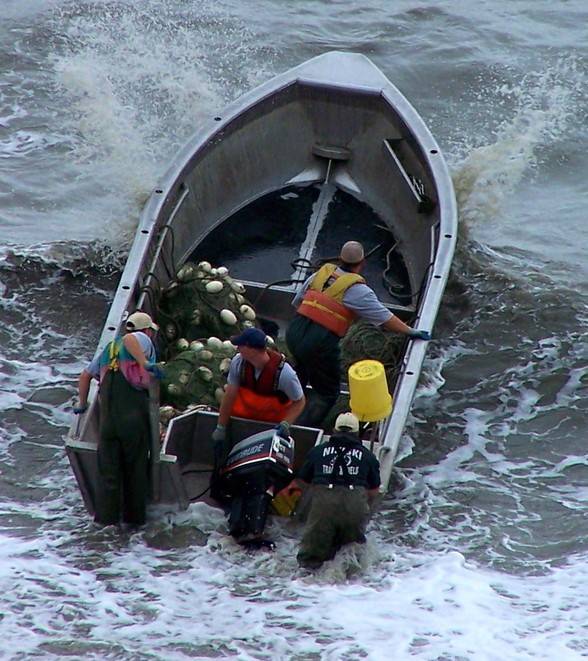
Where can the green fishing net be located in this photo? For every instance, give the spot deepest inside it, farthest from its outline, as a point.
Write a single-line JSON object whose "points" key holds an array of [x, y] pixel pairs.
{"points": [[197, 375], [365, 341], [203, 302], [204, 307], [198, 312]]}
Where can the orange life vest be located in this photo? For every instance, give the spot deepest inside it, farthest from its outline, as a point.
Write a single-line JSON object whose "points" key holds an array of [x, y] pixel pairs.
{"points": [[260, 399], [323, 302]]}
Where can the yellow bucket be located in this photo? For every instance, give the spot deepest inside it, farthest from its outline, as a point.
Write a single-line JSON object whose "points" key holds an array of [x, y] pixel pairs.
{"points": [[370, 399]]}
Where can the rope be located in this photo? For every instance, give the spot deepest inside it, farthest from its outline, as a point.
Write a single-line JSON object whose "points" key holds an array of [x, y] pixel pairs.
{"points": [[192, 500], [298, 264], [366, 341]]}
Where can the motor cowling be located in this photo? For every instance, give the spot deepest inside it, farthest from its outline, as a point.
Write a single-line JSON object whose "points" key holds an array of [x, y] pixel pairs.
{"points": [[267, 451], [256, 468]]}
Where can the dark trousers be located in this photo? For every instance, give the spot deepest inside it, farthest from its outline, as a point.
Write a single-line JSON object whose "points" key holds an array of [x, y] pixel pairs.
{"points": [[337, 516], [123, 452], [317, 360]]}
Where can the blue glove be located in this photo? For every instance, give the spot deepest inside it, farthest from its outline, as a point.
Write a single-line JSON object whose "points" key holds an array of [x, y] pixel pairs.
{"points": [[78, 410], [156, 370], [420, 335], [283, 429], [219, 434]]}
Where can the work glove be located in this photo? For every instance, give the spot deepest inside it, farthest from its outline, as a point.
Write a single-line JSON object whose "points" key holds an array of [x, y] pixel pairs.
{"points": [[219, 434], [283, 429], [79, 409], [156, 370], [419, 335]]}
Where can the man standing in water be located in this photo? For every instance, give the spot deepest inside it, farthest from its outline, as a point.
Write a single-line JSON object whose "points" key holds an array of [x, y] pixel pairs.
{"points": [[326, 306], [345, 476], [125, 369]]}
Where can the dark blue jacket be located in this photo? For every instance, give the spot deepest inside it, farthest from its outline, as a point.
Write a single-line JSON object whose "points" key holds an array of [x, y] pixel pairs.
{"points": [[342, 461]]}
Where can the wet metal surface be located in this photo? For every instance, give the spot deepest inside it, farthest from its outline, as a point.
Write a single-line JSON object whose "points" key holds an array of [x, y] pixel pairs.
{"points": [[262, 240]]}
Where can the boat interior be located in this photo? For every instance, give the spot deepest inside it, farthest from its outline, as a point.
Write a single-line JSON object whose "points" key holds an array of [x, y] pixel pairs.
{"points": [[286, 182], [274, 243], [269, 191]]}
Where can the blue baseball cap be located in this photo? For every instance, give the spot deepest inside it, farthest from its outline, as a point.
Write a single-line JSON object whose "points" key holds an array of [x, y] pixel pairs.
{"points": [[250, 337]]}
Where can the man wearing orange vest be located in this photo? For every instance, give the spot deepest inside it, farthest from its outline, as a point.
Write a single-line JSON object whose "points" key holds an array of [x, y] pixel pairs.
{"points": [[326, 306], [261, 385]]}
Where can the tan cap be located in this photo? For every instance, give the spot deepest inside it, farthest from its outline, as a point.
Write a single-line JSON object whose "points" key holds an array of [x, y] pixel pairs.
{"points": [[352, 252], [140, 321], [347, 422]]}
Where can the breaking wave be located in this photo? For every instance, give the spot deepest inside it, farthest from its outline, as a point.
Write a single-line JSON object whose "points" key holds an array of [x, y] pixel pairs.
{"points": [[138, 80], [536, 112]]}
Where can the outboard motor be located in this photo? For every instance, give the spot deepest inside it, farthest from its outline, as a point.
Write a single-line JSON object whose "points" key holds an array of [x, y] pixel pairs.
{"points": [[257, 468]]}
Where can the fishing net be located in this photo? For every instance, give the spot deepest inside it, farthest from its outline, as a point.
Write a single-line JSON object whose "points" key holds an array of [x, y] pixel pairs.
{"points": [[366, 341], [198, 312], [197, 375], [204, 302]]}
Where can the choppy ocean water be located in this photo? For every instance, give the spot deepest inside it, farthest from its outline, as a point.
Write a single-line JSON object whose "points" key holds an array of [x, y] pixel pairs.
{"points": [[481, 551]]}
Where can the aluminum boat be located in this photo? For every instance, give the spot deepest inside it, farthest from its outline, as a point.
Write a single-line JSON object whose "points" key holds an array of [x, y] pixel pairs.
{"points": [[324, 153]]}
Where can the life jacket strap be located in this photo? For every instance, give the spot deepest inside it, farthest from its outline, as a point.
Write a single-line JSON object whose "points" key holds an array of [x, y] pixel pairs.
{"points": [[334, 284]]}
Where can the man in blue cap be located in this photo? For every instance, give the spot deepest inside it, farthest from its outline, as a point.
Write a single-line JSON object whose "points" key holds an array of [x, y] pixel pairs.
{"points": [[261, 385]]}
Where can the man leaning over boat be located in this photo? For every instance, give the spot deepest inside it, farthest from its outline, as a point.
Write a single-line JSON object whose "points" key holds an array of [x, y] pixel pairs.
{"points": [[326, 306], [261, 385], [125, 369]]}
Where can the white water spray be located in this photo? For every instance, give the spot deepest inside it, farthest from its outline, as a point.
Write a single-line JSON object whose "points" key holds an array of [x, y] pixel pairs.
{"points": [[544, 106], [139, 80]]}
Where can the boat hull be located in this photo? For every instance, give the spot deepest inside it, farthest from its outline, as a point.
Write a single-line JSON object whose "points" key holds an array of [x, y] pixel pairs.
{"points": [[334, 125]]}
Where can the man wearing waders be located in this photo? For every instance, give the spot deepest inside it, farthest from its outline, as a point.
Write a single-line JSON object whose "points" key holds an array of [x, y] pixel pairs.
{"points": [[125, 369], [326, 306], [345, 477]]}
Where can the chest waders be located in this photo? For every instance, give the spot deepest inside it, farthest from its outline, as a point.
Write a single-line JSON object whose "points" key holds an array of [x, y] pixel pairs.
{"points": [[123, 448], [338, 515], [317, 362]]}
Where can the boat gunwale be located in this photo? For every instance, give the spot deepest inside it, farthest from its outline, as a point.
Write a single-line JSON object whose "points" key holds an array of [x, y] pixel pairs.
{"points": [[154, 217]]}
